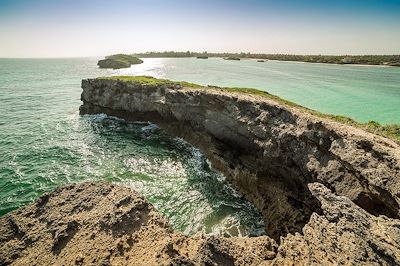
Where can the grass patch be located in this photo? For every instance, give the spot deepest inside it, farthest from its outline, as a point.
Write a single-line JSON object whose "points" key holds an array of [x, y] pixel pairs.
{"points": [[389, 131]]}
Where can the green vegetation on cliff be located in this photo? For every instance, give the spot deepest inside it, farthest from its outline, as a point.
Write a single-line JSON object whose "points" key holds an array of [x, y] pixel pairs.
{"points": [[147, 80], [389, 131], [389, 60], [119, 61]]}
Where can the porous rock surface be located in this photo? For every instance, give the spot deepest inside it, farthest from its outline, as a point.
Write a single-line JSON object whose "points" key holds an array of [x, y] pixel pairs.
{"points": [[105, 224]]}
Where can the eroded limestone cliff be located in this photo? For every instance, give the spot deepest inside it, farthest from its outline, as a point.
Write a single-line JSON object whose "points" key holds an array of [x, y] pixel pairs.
{"points": [[268, 150]]}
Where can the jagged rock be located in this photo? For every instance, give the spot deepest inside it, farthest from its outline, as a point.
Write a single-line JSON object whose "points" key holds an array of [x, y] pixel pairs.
{"points": [[344, 235], [121, 228]]}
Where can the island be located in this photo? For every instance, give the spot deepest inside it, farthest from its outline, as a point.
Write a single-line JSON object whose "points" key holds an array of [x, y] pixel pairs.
{"points": [[232, 58], [326, 186], [119, 61]]}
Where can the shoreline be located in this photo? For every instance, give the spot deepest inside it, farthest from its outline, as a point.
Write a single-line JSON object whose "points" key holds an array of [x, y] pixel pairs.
{"points": [[288, 61], [274, 60], [389, 60]]}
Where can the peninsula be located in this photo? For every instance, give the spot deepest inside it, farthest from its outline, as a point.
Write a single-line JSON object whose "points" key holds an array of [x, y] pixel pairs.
{"points": [[119, 61]]}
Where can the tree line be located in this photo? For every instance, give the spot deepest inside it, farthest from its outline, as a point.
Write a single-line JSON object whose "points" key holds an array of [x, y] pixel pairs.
{"points": [[391, 60]]}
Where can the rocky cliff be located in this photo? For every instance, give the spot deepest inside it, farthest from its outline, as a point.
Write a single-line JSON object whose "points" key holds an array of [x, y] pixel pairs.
{"points": [[328, 192], [267, 149]]}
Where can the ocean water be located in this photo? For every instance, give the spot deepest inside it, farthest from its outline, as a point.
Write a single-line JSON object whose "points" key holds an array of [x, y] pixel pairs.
{"points": [[45, 143]]}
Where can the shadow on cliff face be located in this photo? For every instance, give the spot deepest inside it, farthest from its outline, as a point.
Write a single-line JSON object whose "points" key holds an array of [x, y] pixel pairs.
{"points": [[278, 190], [277, 187]]}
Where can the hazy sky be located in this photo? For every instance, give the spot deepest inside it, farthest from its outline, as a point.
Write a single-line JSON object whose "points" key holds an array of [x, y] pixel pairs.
{"points": [[67, 28]]}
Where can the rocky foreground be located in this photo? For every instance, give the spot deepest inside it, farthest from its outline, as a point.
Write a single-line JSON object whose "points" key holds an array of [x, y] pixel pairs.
{"points": [[329, 193], [104, 224]]}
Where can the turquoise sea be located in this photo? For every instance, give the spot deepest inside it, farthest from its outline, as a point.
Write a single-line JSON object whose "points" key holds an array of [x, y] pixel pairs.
{"points": [[45, 143]]}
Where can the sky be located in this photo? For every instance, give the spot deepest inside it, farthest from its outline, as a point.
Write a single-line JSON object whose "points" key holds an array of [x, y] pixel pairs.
{"points": [[75, 28]]}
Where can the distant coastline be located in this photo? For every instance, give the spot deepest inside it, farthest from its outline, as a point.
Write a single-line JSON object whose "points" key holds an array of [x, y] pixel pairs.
{"points": [[383, 60]]}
